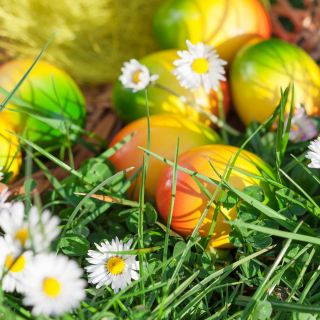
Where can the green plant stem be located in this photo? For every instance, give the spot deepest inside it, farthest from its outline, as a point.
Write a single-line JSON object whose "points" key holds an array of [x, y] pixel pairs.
{"points": [[222, 116]]}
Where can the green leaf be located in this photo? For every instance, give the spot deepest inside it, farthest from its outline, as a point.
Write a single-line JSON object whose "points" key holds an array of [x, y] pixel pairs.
{"points": [[263, 311], [298, 209], [248, 213], [74, 244], [203, 273], [266, 223], [292, 251], [259, 242], [151, 214], [249, 268], [287, 213], [98, 172], [84, 231], [255, 192], [269, 224], [29, 185], [236, 238], [230, 199], [179, 247], [132, 222], [282, 197], [204, 260]]}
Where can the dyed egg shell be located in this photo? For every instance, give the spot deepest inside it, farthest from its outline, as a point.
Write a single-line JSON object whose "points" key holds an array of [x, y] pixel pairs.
{"points": [[227, 25], [261, 68], [164, 133], [38, 91], [191, 201], [8, 149], [132, 106]]}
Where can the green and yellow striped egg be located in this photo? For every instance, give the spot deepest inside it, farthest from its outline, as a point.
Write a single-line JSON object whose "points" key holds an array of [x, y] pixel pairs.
{"points": [[261, 68], [226, 24], [132, 106], [45, 97]]}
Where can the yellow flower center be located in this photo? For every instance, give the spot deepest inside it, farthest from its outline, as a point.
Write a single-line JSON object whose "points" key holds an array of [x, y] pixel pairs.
{"points": [[51, 287], [200, 65], [136, 77], [22, 235], [115, 265], [17, 266]]}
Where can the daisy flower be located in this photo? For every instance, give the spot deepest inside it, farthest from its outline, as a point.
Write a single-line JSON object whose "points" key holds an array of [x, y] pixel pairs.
{"points": [[116, 269], [3, 198], [314, 154], [136, 76], [199, 66], [42, 227], [53, 285], [302, 127], [1, 173], [13, 264]]}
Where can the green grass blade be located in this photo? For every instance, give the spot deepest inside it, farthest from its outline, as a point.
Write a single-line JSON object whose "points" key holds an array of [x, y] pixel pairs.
{"points": [[157, 312], [204, 282], [173, 195], [277, 233], [285, 138], [260, 290], [282, 306]]}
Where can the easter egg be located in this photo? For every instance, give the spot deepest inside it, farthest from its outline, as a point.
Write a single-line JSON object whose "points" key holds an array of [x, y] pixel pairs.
{"points": [[132, 106], [10, 157], [191, 201], [261, 68], [46, 98], [227, 25], [164, 131]]}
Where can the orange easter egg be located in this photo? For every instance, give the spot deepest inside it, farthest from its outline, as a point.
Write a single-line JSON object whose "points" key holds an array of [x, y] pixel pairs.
{"points": [[164, 133], [191, 201]]}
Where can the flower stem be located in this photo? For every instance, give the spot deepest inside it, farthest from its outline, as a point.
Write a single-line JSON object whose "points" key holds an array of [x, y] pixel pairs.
{"points": [[211, 117], [222, 116]]}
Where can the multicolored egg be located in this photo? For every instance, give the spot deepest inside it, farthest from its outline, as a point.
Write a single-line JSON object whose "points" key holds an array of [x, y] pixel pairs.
{"points": [[261, 68], [164, 133], [38, 91], [10, 157], [132, 106], [191, 201], [227, 25]]}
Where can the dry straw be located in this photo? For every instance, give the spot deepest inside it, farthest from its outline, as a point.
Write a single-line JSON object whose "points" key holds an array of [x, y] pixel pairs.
{"points": [[93, 38]]}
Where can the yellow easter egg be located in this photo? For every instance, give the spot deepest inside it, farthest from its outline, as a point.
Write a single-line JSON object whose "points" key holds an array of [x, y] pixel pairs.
{"points": [[10, 157], [227, 25]]}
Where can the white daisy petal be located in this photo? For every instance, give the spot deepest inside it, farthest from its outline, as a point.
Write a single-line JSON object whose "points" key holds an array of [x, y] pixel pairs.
{"points": [[136, 76], [14, 262], [42, 226], [314, 155], [117, 269], [52, 285], [199, 66]]}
